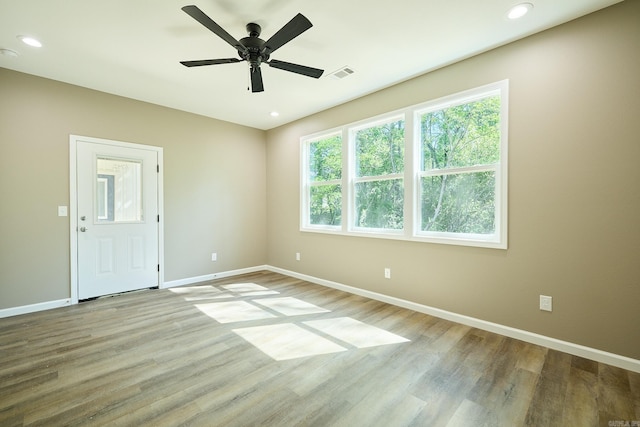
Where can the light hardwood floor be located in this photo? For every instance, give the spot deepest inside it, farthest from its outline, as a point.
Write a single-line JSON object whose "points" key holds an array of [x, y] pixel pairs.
{"points": [[266, 349]]}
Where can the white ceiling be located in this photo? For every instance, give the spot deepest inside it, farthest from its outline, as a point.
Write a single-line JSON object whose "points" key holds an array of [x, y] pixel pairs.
{"points": [[132, 48]]}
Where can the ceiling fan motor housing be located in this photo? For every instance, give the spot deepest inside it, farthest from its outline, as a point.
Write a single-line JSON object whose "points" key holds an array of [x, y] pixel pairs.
{"points": [[255, 53]]}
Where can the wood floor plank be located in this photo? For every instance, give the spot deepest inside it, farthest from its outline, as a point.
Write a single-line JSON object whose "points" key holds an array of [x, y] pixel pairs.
{"points": [[531, 357], [634, 384], [548, 400], [444, 388], [152, 358], [11, 417], [505, 390], [614, 394], [470, 413], [581, 403]]}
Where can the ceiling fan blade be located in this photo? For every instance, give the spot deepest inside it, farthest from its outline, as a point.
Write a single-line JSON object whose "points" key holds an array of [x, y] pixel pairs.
{"points": [[256, 79], [295, 68], [292, 29], [200, 16], [210, 62]]}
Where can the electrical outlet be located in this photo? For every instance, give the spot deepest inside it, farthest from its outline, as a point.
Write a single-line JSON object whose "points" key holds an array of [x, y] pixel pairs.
{"points": [[214, 256], [387, 273], [297, 256], [546, 303]]}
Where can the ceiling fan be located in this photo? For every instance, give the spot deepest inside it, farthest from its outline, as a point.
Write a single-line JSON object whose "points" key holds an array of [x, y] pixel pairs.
{"points": [[253, 49]]}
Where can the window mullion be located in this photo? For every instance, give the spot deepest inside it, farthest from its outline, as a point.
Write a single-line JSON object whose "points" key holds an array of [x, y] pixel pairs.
{"points": [[410, 142], [305, 205], [347, 172], [388, 177], [456, 171], [329, 182]]}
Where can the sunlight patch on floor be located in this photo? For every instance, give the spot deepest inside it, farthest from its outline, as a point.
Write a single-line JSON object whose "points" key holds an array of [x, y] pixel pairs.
{"points": [[249, 289], [355, 332], [199, 293], [289, 306], [233, 311], [245, 287], [284, 341], [287, 341], [204, 292]]}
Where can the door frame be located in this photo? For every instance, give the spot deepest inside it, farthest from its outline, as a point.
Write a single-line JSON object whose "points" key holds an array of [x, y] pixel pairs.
{"points": [[73, 204]]}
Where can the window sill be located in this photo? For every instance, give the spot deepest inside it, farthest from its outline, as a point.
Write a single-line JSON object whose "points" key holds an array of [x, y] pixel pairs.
{"points": [[479, 241]]}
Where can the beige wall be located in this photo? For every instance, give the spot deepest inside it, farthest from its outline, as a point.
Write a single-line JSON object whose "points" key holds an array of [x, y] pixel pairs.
{"points": [[574, 192], [214, 183]]}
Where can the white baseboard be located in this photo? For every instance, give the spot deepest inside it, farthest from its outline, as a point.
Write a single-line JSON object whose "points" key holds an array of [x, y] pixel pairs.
{"points": [[31, 308], [212, 276], [530, 337]]}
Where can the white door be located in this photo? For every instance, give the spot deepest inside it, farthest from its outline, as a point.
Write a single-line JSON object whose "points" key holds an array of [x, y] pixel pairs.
{"points": [[117, 219]]}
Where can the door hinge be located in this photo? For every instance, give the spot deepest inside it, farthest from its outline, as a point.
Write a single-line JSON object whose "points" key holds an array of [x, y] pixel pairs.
{"points": [[158, 168], [158, 218], [158, 268]]}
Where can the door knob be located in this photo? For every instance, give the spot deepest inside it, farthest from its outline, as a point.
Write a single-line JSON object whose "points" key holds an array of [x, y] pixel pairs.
{"points": [[83, 229]]}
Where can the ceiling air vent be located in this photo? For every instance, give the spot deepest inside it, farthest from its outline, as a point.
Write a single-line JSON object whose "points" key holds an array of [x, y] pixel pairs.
{"points": [[341, 73]]}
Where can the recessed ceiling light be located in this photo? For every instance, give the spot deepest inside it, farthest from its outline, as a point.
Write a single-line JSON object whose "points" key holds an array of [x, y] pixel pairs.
{"points": [[30, 41], [518, 11], [8, 52], [274, 114]]}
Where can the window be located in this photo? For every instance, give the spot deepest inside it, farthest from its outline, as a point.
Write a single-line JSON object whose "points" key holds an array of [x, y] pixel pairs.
{"points": [[460, 157], [378, 176], [323, 181], [435, 172], [118, 190]]}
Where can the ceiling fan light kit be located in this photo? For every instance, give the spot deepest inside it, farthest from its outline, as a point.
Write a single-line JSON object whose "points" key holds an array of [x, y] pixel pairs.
{"points": [[253, 49]]}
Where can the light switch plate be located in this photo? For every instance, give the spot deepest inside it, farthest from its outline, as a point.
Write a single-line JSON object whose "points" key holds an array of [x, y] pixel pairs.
{"points": [[62, 211]]}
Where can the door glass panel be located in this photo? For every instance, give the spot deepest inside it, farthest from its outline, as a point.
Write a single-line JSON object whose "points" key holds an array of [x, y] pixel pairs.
{"points": [[118, 195]]}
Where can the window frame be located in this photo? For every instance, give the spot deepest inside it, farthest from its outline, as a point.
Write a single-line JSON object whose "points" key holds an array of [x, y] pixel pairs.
{"points": [[412, 175]]}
